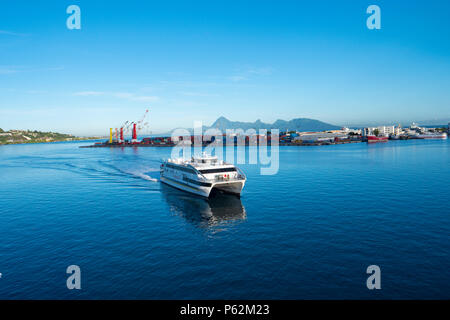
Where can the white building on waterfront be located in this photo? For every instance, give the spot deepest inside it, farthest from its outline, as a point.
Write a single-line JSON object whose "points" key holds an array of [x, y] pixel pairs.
{"points": [[382, 131]]}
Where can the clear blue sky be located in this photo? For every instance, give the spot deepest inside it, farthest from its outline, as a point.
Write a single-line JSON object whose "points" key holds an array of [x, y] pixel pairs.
{"points": [[198, 60]]}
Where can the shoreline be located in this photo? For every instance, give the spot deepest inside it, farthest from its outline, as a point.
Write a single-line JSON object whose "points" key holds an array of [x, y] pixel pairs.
{"points": [[205, 145], [49, 142], [284, 144]]}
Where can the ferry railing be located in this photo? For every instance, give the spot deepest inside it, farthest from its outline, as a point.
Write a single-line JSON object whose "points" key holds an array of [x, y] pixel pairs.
{"points": [[240, 176], [220, 178]]}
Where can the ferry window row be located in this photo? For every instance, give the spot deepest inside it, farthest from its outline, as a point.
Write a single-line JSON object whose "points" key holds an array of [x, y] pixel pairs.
{"points": [[217, 170], [181, 168], [199, 183]]}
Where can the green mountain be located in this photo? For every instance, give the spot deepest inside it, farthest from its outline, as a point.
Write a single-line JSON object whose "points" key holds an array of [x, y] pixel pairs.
{"points": [[28, 136], [298, 124]]}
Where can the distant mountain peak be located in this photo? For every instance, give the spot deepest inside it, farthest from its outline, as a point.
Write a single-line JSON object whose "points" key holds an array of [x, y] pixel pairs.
{"points": [[220, 122], [298, 124], [222, 118]]}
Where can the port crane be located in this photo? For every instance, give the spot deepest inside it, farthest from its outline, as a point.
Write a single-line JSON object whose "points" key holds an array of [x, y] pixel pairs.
{"points": [[141, 124], [125, 129]]}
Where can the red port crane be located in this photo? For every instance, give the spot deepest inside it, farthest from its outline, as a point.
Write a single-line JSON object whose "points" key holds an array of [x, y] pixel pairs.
{"points": [[138, 126]]}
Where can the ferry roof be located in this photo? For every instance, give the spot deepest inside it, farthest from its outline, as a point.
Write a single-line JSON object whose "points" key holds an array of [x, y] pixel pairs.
{"points": [[201, 165]]}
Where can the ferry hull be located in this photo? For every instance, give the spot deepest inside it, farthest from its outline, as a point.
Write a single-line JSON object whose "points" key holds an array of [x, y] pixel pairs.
{"points": [[230, 187], [234, 187], [200, 191]]}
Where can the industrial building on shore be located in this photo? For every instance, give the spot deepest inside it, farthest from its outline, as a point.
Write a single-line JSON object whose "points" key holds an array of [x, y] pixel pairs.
{"points": [[287, 137]]}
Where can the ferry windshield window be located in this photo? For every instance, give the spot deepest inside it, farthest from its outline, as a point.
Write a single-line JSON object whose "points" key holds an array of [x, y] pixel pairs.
{"points": [[217, 170]]}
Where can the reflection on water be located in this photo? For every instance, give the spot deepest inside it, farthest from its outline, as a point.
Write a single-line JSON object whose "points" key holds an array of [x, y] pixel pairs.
{"points": [[218, 210]]}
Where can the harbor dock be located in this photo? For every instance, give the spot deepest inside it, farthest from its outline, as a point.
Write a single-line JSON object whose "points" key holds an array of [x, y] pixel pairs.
{"points": [[285, 138]]}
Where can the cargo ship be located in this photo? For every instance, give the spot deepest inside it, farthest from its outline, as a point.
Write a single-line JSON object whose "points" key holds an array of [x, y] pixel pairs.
{"points": [[398, 137], [373, 139], [439, 135]]}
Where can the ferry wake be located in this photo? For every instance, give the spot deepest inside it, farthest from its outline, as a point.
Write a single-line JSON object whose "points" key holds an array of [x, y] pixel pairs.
{"points": [[202, 174]]}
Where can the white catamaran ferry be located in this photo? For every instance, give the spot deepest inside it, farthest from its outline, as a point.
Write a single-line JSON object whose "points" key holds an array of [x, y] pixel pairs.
{"points": [[201, 175]]}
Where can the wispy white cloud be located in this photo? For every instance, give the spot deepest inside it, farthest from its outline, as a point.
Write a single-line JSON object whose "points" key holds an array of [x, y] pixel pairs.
{"points": [[51, 69], [188, 84], [123, 95], [16, 69], [8, 70], [120, 95], [11, 33], [36, 91], [237, 78], [89, 93], [145, 98], [134, 97], [242, 75], [198, 94], [260, 71]]}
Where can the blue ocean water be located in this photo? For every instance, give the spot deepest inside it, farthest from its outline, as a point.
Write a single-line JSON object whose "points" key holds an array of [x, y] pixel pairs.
{"points": [[308, 232]]}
